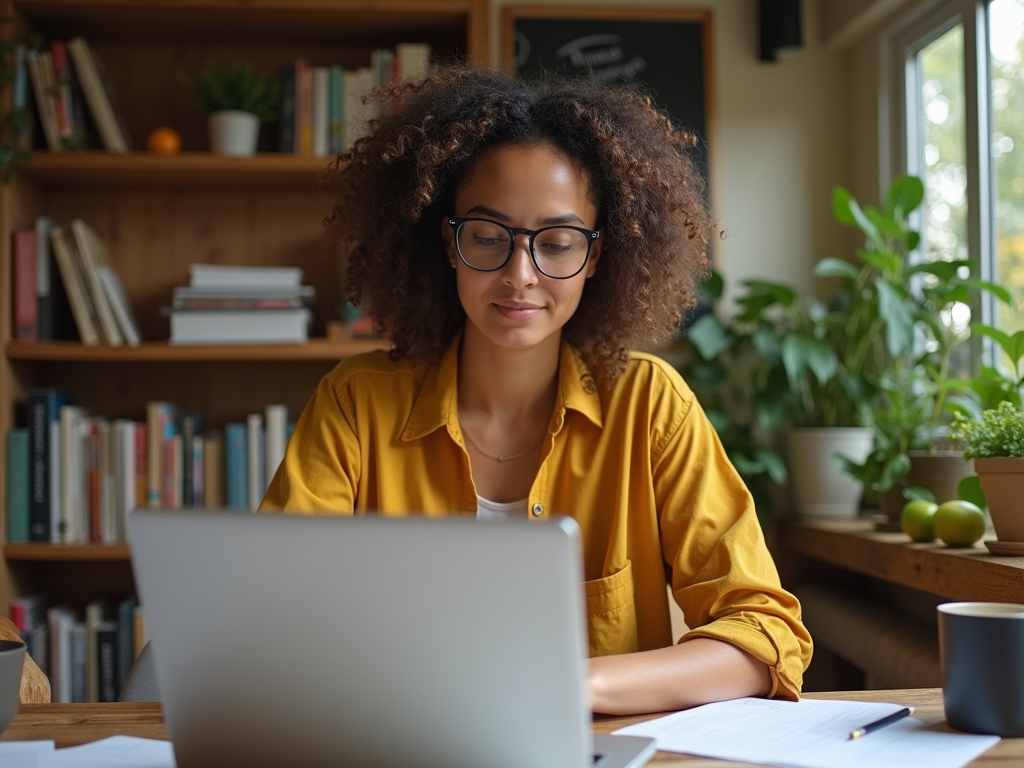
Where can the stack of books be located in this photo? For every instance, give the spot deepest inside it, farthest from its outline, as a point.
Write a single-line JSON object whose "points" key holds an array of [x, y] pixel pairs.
{"points": [[322, 110], [241, 305]]}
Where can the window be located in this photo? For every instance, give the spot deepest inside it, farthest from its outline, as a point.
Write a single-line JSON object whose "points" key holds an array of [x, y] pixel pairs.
{"points": [[955, 75]]}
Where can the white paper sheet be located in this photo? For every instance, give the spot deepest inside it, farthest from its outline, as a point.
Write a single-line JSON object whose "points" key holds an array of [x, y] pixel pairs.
{"points": [[810, 734], [115, 752], [24, 754]]}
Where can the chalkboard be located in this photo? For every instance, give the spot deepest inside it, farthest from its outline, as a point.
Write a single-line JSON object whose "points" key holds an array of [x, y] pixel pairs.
{"points": [[663, 52]]}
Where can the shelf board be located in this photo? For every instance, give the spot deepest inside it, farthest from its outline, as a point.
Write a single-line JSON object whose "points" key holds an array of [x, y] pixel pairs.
{"points": [[158, 352], [186, 169], [67, 552]]}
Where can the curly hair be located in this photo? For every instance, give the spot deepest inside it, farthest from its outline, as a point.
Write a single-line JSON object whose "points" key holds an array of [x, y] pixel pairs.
{"points": [[395, 185]]}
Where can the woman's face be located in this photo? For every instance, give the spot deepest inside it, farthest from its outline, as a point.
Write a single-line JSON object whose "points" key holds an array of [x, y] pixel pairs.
{"points": [[522, 186]]}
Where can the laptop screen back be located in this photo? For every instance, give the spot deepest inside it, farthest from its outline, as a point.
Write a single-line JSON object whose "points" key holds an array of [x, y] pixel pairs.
{"points": [[282, 639]]}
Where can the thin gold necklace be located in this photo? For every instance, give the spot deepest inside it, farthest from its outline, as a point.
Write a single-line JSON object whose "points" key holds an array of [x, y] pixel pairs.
{"points": [[500, 457]]}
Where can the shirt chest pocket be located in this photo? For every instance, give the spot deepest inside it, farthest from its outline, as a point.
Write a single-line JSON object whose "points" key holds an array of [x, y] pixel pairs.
{"points": [[611, 613]]}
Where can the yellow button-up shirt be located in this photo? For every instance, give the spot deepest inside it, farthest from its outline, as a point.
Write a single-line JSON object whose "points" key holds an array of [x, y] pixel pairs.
{"points": [[639, 467]]}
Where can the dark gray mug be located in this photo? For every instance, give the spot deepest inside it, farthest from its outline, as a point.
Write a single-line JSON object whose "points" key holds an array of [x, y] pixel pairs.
{"points": [[981, 650], [12, 661]]}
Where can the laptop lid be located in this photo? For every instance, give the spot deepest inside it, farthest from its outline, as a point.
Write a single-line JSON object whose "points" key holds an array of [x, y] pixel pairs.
{"points": [[287, 639]]}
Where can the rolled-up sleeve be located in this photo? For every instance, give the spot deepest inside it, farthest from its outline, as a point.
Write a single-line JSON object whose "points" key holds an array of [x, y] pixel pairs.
{"points": [[723, 576]]}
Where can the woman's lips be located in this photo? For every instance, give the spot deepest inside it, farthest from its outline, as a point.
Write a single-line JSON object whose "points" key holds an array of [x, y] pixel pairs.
{"points": [[518, 310]]}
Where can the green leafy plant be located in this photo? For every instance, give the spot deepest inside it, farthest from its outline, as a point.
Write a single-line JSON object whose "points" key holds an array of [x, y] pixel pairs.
{"points": [[922, 312], [16, 122], [239, 86], [997, 432]]}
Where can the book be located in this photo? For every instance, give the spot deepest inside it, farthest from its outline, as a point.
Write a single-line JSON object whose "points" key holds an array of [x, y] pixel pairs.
{"points": [[26, 304], [256, 326], [125, 475], [79, 652], [255, 442], [95, 614], [227, 276], [42, 89], [335, 98], [17, 484], [125, 638], [321, 96], [74, 517], [106, 660], [213, 470], [100, 96], [286, 118], [44, 406], [413, 60], [110, 515], [44, 289], [161, 425], [60, 619], [118, 300], [61, 80], [191, 428], [92, 252], [236, 465], [74, 283], [21, 96], [303, 108], [276, 440]]}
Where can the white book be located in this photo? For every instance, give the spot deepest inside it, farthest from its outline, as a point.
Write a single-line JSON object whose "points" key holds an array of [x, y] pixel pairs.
{"points": [[43, 90], [110, 520], [321, 93], [243, 326], [94, 255], [277, 431], [60, 618], [126, 491], [254, 433], [115, 294], [69, 266], [232, 276], [74, 428]]}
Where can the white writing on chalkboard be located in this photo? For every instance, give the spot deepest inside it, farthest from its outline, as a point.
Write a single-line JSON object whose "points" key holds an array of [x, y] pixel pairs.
{"points": [[604, 56]]}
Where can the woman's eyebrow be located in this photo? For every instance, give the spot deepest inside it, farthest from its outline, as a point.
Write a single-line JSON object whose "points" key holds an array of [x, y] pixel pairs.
{"points": [[565, 218]]}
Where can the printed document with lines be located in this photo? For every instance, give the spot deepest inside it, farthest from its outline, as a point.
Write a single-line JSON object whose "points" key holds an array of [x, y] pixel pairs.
{"points": [[810, 734]]}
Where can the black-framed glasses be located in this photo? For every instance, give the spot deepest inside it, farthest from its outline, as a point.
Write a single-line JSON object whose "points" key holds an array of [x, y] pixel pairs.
{"points": [[559, 252]]}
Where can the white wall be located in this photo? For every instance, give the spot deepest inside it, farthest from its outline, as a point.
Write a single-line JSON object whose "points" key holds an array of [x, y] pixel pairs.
{"points": [[779, 142]]}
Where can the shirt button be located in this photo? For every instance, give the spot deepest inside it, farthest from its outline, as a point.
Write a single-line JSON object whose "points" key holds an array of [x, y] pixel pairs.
{"points": [[538, 510]]}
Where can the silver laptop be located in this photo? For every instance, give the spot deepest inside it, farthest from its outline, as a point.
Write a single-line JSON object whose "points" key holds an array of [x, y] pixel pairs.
{"points": [[369, 641]]}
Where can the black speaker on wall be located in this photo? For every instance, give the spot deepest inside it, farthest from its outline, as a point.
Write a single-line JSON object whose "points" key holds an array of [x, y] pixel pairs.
{"points": [[780, 26]]}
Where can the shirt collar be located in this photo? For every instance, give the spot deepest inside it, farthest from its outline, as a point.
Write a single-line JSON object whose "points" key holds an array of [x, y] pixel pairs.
{"points": [[437, 406]]}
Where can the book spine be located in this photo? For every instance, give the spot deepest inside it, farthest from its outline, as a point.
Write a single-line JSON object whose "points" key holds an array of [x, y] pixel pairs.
{"points": [[125, 474], [286, 121], [26, 306], [254, 436], [139, 634], [277, 424], [110, 519], [155, 418], [141, 466], [96, 96], [237, 463], [321, 95], [213, 471], [79, 662], [44, 99], [44, 291], [334, 106], [125, 640], [43, 408], [74, 286], [18, 452], [59, 621], [303, 107], [106, 662], [94, 474], [62, 89]]}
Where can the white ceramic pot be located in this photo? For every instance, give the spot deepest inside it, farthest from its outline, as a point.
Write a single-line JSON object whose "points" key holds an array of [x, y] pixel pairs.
{"points": [[233, 132], [820, 487]]}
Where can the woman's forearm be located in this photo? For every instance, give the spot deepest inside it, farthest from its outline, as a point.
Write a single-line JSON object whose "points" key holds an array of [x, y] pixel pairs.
{"points": [[696, 672]]}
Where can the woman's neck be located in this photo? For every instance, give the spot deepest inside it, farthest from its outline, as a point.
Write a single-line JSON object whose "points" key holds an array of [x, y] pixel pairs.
{"points": [[514, 388]]}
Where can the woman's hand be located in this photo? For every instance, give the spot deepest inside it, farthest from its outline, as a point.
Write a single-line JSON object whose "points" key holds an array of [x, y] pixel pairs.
{"points": [[686, 675]]}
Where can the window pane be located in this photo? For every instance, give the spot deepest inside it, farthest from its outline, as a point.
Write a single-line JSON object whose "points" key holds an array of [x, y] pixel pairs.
{"points": [[1006, 48], [943, 148]]}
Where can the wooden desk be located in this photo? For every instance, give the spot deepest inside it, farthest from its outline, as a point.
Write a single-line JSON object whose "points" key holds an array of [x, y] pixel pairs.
{"points": [[71, 724], [953, 573]]}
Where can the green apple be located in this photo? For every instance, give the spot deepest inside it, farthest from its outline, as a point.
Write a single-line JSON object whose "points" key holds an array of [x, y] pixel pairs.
{"points": [[917, 519], [959, 523]]}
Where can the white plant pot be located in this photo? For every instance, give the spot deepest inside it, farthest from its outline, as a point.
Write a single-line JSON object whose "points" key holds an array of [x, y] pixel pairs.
{"points": [[820, 487], [233, 132]]}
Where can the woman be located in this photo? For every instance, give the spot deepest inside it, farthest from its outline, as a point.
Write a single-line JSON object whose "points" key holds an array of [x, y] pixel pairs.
{"points": [[512, 242]]}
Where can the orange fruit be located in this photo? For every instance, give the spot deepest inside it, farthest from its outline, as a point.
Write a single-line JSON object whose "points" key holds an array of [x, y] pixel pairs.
{"points": [[164, 141]]}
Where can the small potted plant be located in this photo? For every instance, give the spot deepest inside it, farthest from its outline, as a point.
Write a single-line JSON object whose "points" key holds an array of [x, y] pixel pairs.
{"points": [[237, 99], [995, 441]]}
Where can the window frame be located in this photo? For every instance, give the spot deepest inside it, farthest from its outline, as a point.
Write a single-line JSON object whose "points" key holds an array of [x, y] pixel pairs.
{"points": [[900, 111]]}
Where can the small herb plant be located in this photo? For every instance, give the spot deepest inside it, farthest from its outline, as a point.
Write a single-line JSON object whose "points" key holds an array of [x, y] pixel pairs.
{"points": [[239, 86], [997, 432], [16, 122]]}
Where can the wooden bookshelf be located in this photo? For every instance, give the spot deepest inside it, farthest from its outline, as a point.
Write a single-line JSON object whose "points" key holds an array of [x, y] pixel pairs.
{"points": [[160, 214]]}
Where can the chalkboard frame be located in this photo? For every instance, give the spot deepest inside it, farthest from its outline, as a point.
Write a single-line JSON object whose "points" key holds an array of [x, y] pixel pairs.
{"points": [[690, 16]]}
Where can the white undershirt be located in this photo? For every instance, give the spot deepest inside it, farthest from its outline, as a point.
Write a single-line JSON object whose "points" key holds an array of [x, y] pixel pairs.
{"points": [[500, 510]]}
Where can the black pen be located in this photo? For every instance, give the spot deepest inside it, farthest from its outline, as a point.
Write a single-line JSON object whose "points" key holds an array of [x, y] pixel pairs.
{"points": [[888, 720]]}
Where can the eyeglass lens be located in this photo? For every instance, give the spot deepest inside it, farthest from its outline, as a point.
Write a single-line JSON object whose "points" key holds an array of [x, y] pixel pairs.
{"points": [[558, 251]]}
